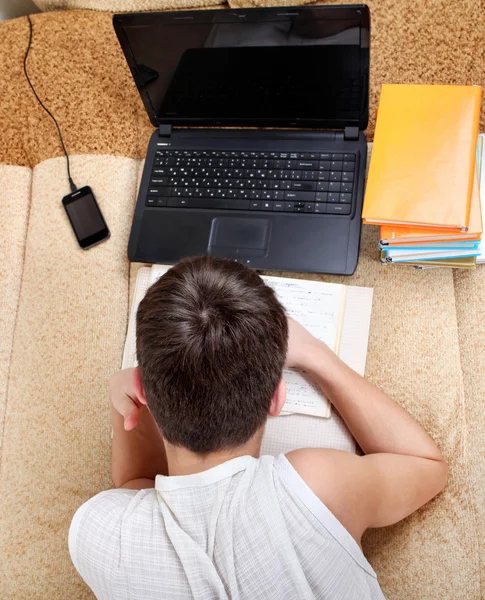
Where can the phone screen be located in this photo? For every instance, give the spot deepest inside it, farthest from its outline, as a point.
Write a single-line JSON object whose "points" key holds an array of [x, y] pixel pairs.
{"points": [[85, 216]]}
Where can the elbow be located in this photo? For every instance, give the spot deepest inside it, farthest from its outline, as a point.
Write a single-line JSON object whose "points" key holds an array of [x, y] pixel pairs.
{"points": [[444, 475], [441, 477]]}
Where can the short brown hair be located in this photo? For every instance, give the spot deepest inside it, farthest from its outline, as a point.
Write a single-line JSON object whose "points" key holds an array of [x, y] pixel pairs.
{"points": [[211, 345]]}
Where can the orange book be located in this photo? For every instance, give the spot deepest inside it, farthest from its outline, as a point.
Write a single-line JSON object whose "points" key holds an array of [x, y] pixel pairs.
{"points": [[423, 158], [400, 236]]}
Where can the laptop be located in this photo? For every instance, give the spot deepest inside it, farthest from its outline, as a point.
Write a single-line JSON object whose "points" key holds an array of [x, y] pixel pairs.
{"points": [[258, 152]]}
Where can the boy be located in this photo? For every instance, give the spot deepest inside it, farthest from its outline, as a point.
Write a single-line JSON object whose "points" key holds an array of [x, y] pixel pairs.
{"points": [[197, 512]]}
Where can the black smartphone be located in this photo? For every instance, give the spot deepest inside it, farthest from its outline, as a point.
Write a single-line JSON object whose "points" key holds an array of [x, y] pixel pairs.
{"points": [[85, 217]]}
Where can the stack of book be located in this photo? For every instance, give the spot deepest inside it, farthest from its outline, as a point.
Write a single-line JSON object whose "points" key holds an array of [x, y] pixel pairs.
{"points": [[423, 188]]}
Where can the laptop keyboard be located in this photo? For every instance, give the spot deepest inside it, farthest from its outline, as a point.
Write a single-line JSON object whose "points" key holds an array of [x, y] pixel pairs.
{"points": [[290, 182]]}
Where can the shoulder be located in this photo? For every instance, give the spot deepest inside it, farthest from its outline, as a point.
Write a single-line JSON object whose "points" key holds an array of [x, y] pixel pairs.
{"points": [[96, 528], [334, 477]]}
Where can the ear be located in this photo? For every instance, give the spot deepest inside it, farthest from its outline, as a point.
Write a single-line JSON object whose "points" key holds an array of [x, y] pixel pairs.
{"points": [[138, 386], [278, 400]]}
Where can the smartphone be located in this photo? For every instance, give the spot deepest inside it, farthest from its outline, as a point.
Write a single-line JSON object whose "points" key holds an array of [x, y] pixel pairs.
{"points": [[85, 217]]}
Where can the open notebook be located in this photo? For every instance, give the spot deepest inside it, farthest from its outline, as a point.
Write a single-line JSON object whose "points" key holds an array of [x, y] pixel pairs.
{"points": [[337, 314]]}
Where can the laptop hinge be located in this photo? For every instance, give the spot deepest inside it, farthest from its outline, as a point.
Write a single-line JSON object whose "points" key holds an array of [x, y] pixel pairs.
{"points": [[164, 131], [351, 134]]}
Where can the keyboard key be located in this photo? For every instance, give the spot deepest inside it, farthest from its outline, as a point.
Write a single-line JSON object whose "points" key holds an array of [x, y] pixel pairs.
{"points": [[325, 157], [302, 196], [214, 203], [346, 198], [162, 201], [322, 186], [159, 181], [307, 164], [336, 165], [334, 186], [299, 205], [278, 206], [304, 186], [255, 194], [320, 207], [348, 166], [151, 201], [333, 197], [289, 206], [314, 156], [309, 175], [350, 157], [295, 174], [267, 195], [255, 205], [337, 156], [279, 195], [347, 187], [324, 165], [338, 209], [335, 175], [323, 175], [285, 185], [347, 177], [309, 207], [267, 205], [304, 155], [322, 196], [160, 171], [299, 209]]}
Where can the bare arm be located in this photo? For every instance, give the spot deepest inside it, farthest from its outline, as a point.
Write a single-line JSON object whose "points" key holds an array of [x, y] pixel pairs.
{"points": [[137, 451], [403, 467]]}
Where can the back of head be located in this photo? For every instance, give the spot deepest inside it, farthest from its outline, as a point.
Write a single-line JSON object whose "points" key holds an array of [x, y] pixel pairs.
{"points": [[211, 344]]}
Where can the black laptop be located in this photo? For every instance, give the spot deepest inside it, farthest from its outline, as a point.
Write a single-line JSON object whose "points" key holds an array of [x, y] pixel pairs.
{"points": [[258, 153]]}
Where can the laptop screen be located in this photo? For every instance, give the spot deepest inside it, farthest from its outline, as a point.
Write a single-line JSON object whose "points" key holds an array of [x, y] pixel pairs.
{"points": [[306, 67]]}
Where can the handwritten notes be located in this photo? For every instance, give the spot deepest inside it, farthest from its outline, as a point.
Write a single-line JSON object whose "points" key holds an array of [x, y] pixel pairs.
{"points": [[319, 308]]}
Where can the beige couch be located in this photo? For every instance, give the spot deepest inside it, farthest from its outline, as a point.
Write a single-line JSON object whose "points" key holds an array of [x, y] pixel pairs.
{"points": [[63, 312]]}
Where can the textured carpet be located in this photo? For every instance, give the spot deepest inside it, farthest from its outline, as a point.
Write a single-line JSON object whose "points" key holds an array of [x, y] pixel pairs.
{"points": [[63, 313]]}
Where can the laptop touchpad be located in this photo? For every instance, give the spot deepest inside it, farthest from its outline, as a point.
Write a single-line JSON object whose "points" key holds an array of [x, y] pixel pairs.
{"points": [[238, 237]]}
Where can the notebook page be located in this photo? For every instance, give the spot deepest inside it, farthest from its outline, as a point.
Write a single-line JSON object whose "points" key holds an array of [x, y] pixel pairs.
{"points": [[158, 271], [141, 286], [319, 308], [291, 432]]}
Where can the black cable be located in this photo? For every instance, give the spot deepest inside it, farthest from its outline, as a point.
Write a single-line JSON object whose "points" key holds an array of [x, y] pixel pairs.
{"points": [[71, 182]]}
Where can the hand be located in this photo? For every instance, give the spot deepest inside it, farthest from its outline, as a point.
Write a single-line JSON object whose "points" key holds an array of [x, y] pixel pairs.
{"points": [[301, 344], [124, 398]]}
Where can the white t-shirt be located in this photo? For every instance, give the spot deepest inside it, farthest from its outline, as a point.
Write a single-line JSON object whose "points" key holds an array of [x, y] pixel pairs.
{"points": [[246, 529]]}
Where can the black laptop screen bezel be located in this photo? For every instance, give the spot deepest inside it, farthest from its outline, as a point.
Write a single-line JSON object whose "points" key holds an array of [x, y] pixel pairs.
{"points": [[123, 21]]}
